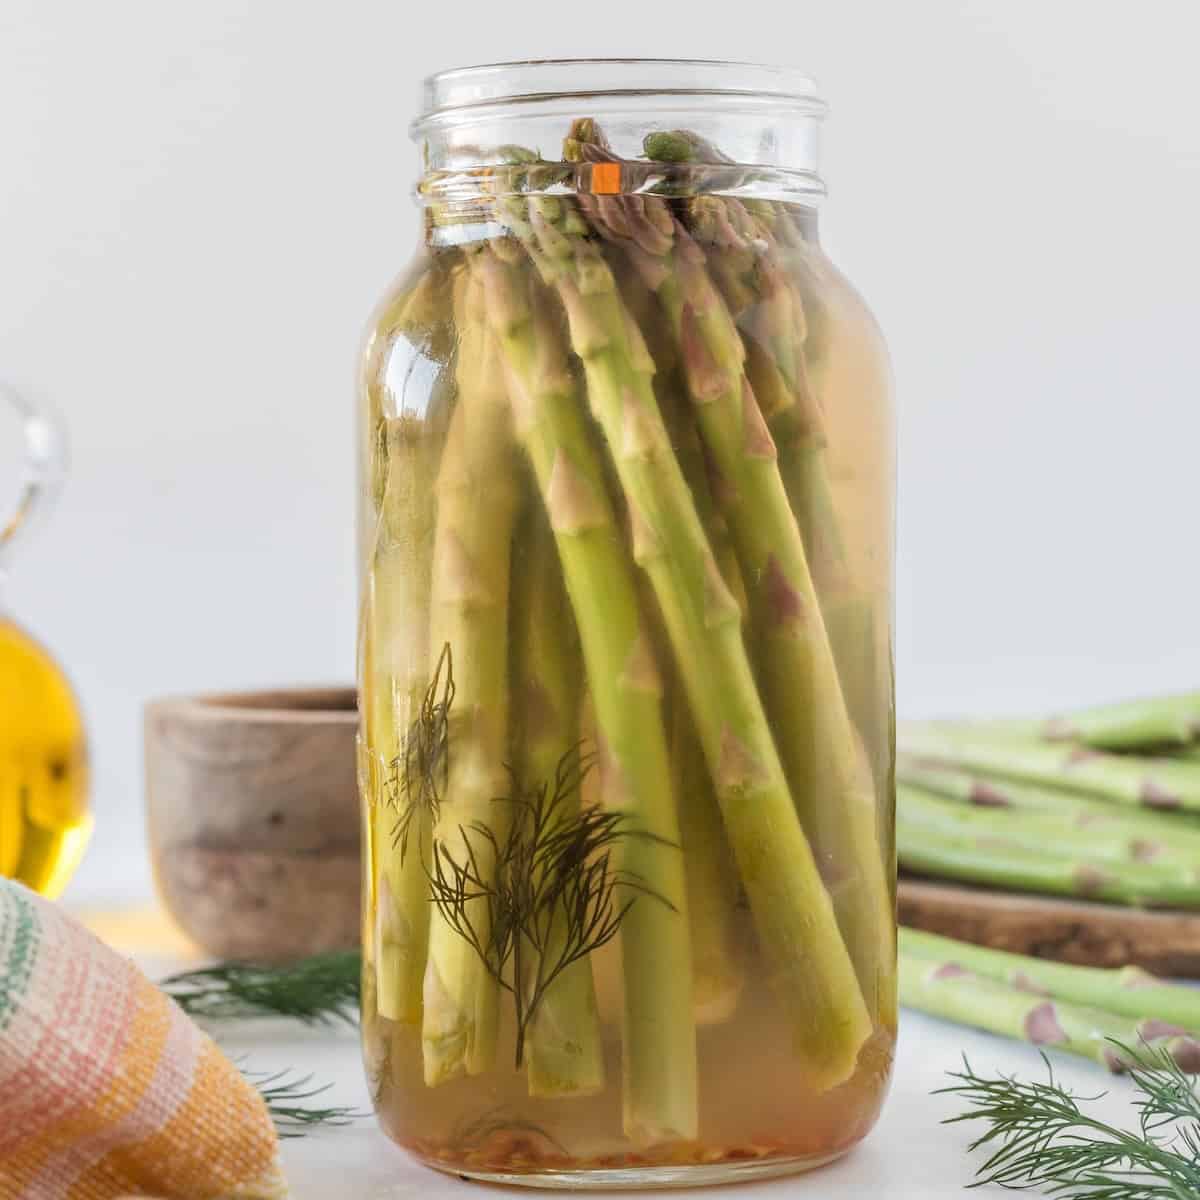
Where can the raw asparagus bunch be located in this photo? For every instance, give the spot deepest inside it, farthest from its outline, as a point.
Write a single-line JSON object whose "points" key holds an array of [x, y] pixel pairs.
{"points": [[1121, 1019]]}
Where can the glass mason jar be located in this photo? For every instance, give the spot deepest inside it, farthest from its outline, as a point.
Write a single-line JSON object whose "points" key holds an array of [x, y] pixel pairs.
{"points": [[626, 673], [44, 819]]}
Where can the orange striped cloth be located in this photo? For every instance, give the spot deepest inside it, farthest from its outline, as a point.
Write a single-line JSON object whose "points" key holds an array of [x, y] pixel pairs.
{"points": [[106, 1088]]}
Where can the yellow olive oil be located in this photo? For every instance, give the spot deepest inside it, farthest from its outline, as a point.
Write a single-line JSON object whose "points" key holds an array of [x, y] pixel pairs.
{"points": [[44, 818]]}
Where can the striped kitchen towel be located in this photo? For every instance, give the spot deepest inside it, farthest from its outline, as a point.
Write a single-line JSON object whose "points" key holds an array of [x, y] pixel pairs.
{"points": [[106, 1088]]}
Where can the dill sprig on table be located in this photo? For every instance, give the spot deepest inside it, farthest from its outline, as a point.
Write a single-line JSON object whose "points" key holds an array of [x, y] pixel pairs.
{"points": [[285, 1097], [1040, 1136], [318, 990]]}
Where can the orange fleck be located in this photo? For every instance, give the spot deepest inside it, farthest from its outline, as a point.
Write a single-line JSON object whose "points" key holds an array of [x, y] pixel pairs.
{"points": [[606, 178]]}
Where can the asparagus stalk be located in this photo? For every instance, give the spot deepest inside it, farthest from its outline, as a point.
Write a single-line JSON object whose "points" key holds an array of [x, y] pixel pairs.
{"points": [[1111, 836], [395, 630], [1131, 725], [747, 264], [826, 768], [1178, 833], [989, 791], [712, 884], [396, 648], [659, 1078], [476, 508], [1007, 861], [951, 991], [1128, 991], [563, 1050], [1153, 783], [791, 907], [711, 873], [821, 751]]}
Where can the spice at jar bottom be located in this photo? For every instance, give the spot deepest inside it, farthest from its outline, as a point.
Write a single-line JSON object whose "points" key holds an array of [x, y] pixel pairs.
{"points": [[625, 655]]}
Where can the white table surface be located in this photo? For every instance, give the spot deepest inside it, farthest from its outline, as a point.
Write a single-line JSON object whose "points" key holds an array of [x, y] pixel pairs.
{"points": [[909, 1155]]}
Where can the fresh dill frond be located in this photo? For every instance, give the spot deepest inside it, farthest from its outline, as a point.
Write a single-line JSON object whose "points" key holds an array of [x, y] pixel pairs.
{"points": [[285, 1095], [1041, 1134], [421, 770], [318, 991], [553, 893]]}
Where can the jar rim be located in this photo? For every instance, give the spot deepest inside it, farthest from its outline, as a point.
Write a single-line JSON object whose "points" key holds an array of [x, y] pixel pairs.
{"points": [[460, 94]]}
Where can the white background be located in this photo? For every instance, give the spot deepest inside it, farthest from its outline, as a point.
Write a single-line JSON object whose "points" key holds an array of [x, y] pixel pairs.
{"points": [[199, 202]]}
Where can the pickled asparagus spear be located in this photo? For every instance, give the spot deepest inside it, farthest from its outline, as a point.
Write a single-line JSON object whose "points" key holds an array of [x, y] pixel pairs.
{"points": [[946, 989], [659, 1039], [563, 1051], [396, 675], [1128, 991], [1123, 779], [395, 632], [712, 884], [717, 973], [826, 767], [477, 497], [748, 266], [791, 907]]}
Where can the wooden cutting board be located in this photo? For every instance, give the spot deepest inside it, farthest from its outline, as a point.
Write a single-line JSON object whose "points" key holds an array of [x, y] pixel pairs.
{"points": [[1075, 931]]}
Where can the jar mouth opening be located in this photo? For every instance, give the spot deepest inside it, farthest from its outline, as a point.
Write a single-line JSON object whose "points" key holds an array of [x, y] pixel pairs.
{"points": [[463, 94]]}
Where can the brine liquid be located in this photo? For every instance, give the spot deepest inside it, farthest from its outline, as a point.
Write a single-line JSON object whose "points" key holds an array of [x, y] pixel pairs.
{"points": [[758, 1112], [44, 820]]}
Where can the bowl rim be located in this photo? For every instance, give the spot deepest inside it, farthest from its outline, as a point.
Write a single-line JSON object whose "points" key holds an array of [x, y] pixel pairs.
{"points": [[265, 705]]}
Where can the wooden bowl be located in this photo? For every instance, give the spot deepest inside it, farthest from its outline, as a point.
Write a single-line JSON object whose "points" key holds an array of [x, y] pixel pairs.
{"points": [[253, 819]]}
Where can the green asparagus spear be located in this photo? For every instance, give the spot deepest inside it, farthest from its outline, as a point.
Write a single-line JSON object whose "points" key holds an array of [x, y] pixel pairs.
{"points": [[717, 971], [821, 751], [1128, 991], [1178, 833], [477, 500], [948, 990], [792, 909], [395, 632], [563, 1051], [1117, 835], [1131, 725], [1008, 862], [1153, 783], [659, 1077], [754, 275]]}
